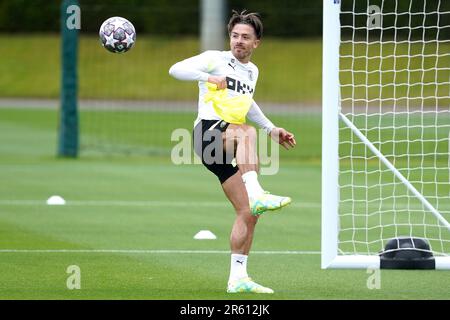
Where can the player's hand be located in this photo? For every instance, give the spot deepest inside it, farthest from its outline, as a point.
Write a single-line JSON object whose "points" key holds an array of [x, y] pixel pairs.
{"points": [[220, 82], [283, 137]]}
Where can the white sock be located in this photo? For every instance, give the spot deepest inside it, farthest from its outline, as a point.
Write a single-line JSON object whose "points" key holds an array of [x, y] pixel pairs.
{"points": [[238, 268], [252, 185]]}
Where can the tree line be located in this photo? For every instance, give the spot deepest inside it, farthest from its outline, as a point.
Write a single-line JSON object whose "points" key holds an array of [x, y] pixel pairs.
{"points": [[285, 18]]}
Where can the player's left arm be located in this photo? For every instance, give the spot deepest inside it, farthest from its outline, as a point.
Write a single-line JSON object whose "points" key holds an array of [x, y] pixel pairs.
{"points": [[280, 135]]}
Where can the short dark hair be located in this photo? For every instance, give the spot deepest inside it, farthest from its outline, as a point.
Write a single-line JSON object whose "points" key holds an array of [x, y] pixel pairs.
{"points": [[253, 19]]}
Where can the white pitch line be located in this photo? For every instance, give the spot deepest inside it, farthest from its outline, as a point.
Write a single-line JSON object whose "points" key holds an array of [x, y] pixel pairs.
{"points": [[141, 203], [288, 252], [173, 204]]}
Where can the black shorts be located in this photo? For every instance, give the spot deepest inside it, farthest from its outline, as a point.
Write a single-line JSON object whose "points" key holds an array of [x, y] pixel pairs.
{"points": [[208, 145]]}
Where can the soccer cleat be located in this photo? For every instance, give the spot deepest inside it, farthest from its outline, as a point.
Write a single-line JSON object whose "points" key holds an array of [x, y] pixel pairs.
{"points": [[268, 202], [247, 285]]}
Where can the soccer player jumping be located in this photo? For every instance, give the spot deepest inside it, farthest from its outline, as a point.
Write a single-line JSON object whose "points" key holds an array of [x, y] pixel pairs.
{"points": [[220, 127]]}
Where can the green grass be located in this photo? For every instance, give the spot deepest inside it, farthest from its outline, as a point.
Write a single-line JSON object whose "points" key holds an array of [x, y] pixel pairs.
{"points": [[150, 132], [290, 70], [142, 203], [142, 73]]}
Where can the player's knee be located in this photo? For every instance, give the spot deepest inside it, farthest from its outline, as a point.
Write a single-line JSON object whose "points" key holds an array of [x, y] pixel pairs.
{"points": [[244, 213], [241, 131], [251, 132], [247, 132], [246, 216]]}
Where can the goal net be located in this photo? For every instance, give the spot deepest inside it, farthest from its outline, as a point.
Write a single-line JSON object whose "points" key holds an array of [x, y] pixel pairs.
{"points": [[386, 128]]}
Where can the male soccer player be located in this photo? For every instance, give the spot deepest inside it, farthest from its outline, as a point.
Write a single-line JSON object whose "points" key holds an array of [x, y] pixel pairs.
{"points": [[232, 72]]}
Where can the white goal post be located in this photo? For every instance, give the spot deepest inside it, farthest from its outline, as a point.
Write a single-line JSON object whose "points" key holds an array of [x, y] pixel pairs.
{"points": [[385, 129]]}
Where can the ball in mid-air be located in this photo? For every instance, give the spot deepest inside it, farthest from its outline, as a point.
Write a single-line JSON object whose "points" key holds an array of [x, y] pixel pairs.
{"points": [[117, 35]]}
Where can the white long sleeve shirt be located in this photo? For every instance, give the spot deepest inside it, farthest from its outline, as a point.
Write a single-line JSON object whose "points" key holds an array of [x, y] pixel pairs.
{"points": [[241, 79]]}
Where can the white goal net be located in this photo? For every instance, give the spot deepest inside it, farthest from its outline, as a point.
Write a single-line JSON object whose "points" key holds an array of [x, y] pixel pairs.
{"points": [[394, 124]]}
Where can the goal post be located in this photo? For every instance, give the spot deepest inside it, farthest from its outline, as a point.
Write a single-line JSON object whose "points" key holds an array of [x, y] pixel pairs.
{"points": [[386, 130], [330, 131]]}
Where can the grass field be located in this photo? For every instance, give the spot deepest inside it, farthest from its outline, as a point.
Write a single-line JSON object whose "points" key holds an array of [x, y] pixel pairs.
{"points": [[144, 70], [129, 224], [150, 131], [290, 69]]}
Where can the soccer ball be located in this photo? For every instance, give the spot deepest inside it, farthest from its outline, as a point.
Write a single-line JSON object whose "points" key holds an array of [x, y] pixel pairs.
{"points": [[117, 35]]}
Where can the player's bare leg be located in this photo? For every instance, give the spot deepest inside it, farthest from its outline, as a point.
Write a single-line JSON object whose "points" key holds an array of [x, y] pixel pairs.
{"points": [[242, 140], [241, 237], [244, 224]]}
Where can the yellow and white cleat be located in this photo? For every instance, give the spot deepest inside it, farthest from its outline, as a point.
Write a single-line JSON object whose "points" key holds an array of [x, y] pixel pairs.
{"points": [[268, 202], [247, 285]]}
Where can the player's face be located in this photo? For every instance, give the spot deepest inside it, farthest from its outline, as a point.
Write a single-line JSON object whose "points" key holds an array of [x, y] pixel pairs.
{"points": [[243, 41]]}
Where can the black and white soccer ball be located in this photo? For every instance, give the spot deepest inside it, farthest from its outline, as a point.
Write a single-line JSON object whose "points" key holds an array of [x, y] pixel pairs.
{"points": [[117, 35]]}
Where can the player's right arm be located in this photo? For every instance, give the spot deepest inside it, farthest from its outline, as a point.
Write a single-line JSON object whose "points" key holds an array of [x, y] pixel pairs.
{"points": [[198, 68]]}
